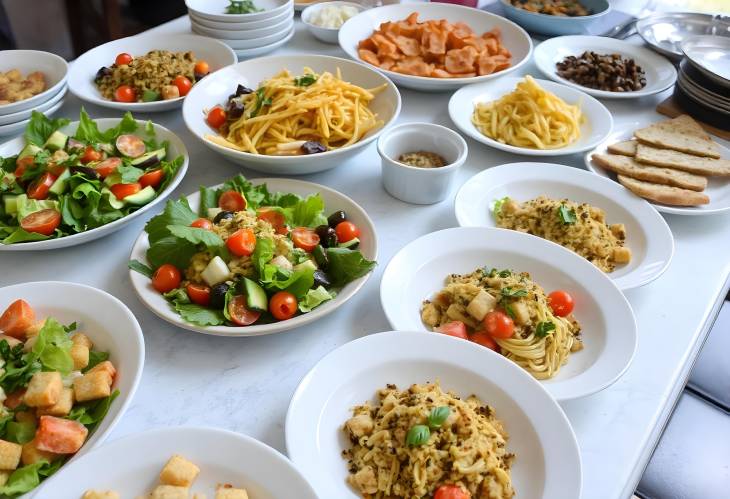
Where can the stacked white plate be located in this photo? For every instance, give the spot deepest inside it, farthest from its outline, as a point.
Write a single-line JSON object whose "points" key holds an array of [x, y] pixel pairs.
{"points": [[16, 115], [249, 35]]}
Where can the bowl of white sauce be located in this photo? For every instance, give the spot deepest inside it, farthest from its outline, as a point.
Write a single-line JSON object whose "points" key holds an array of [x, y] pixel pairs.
{"points": [[324, 19]]}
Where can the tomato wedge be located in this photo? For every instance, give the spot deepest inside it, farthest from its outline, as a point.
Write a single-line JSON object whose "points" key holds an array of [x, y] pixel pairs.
{"points": [[202, 223], [61, 436], [451, 492], [39, 188], [121, 191], [199, 293], [41, 222], [305, 238], [232, 201], [107, 167], [275, 218], [483, 339], [242, 242], [23, 164], [152, 178], [90, 154], [454, 328], [17, 318], [240, 314]]}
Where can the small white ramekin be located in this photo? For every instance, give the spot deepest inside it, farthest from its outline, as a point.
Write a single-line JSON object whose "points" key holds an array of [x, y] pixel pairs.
{"points": [[327, 35], [420, 185]]}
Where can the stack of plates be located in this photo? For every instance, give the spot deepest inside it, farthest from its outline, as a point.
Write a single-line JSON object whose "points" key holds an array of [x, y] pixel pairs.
{"points": [[703, 83], [16, 115], [249, 35]]}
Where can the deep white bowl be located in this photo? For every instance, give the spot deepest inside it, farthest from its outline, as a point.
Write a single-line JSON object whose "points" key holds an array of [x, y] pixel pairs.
{"points": [[19, 126], [242, 26], [224, 35], [214, 10], [7, 119], [215, 89], [259, 51], [260, 41], [327, 35], [52, 66], [557, 25]]}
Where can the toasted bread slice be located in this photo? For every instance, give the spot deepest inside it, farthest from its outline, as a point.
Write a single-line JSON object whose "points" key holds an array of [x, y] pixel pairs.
{"points": [[664, 194], [682, 161], [681, 134], [625, 165], [625, 148]]}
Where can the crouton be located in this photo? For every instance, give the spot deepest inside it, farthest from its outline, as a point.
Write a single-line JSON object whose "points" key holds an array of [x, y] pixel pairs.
{"points": [[169, 492], [9, 455], [80, 356], [82, 339], [32, 454], [179, 471], [229, 492], [100, 494], [92, 386], [105, 366], [60, 408], [44, 389]]}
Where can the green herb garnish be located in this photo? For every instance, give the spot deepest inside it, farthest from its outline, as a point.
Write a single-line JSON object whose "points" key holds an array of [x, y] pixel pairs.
{"points": [[438, 416], [497, 209], [544, 328], [504, 273], [260, 101], [567, 215], [418, 435], [305, 81], [508, 292], [242, 7]]}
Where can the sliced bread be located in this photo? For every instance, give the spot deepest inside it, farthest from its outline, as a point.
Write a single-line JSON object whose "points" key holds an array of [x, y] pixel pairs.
{"points": [[625, 165], [682, 161], [625, 148], [681, 134], [663, 193]]}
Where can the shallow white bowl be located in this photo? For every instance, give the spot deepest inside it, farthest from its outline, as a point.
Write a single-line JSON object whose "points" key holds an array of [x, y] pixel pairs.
{"points": [[260, 41], [215, 89], [557, 25], [110, 325], [362, 26], [19, 126], [327, 35], [333, 201], [8, 119], [647, 234], [214, 10], [258, 51], [176, 148], [660, 73], [420, 185], [271, 28], [718, 188], [241, 26], [83, 70], [131, 465], [547, 463], [596, 127], [419, 270], [27, 61]]}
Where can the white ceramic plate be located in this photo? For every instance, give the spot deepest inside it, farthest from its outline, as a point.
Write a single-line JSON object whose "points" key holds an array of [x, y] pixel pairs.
{"points": [[362, 26], [283, 26], [647, 234], [241, 26], [110, 325], [660, 73], [176, 148], [131, 465], [215, 89], [608, 326], [13, 118], [547, 463], [596, 127], [81, 77], [260, 41], [214, 10], [54, 68], [259, 51], [718, 188], [333, 201], [18, 127]]}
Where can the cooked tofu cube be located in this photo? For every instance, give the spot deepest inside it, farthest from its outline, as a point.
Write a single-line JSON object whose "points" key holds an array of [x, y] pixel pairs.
{"points": [[105, 366], [32, 454], [179, 471], [12, 342], [92, 386], [9, 455], [60, 408], [621, 255], [481, 305], [44, 389], [228, 492], [80, 356], [522, 314], [82, 339], [170, 92], [100, 494], [169, 492]]}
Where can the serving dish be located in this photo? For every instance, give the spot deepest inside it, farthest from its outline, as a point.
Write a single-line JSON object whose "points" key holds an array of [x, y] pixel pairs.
{"points": [[557, 25], [710, 55], [258, 51], [214, 10], [547, 463], [17, 127], [665, 31], [229, 25], [131, 465], [702, 88], [54, 68], [260, 41], [13, 118], [514, 38], [272, 27], [327, 35]]}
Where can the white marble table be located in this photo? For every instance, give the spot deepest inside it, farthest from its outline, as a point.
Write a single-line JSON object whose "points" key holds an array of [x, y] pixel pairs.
{"points": [[245, 384]]}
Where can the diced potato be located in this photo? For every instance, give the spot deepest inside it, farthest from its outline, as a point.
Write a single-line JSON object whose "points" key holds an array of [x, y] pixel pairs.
{"points": [[60, 408], [92, 386], [618, 230], [481, 305], [228, 492], [621, 255], [100, 494], [82, 339], [179, 471], [169, 492], [44, 389], [80, 356], [32, 454], [522, 314], [9, 455]]}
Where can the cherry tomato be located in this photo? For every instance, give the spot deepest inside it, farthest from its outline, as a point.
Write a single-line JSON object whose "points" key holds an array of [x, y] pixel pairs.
{"points": [[39, 188], [304, 238], [42, 222], [198, 293], [275, 218], [166, 278], [498, 324], [561, 302], [216, 117], [90, 154], [232, 201], [152, 178], [240, 313], [23, 164], [121, 191], [125, 93], [107, 167], [183, 84], [17, 319], [346, 231], [283, 305], [202, 223], [484, 340], [123, 59], [451, 492], [242, 242], [455, 328], [55, 169], [59, 435], [201, 68]]}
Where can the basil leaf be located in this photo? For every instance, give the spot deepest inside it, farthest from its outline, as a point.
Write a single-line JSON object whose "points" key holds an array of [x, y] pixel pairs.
{"points": [[40, 127], [509, 292], [510, 312], [305, 80], [567, 215], [544, 328], [418, 435], [438, 416], [140, 267], [504, 273]]}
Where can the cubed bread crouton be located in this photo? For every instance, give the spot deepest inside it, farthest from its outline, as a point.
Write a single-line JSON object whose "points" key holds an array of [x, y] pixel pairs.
{"points": [[82, 339], [179, 471], [60, 408], [80, 356], [100, 494], [169, 492], [229, 492], [32, 454], [12, 342], [44, 389], [105, 366], [92, 386], [9, 455]]}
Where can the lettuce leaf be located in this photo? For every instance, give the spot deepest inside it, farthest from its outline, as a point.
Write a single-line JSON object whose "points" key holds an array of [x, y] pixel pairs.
{"points": [[202, 316], [308, 212], [20, 236], [89, 132], [40, 127], [96, 357], [20, 433], [296, 282], [91, 413], [347, 265], [175, 213], [314, 298], [53, 348]]}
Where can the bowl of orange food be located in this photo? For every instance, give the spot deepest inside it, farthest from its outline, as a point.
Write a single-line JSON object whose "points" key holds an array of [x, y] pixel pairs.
{"points": [[435, 46]]}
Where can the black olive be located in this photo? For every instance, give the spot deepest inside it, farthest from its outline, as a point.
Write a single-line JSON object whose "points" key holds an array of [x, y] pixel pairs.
{"points": [[234, 108], [223, 215], [312, 147], [336, 218], [242, 90], [321, 279], [103, 71], [327, 236], [218, 296], [89, 172], [199, 76]]}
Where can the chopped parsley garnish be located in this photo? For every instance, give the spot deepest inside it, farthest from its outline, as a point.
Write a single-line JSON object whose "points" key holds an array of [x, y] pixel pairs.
{"points": [[508, 292], [544, 328], [567, 215], [261, 101], [305, 80]]}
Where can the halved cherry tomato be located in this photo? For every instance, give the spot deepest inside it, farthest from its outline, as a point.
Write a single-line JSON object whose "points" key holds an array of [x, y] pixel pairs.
{"points": [[125, 93], [107, 167], [60, 435], [484, 340], [121, 191], [201, 68], [183, 84], [198, 293], [202, 223], [152, 178], [55, 169], [123, 59], [451, 492], [455, 328], [41, 222], [216, 117], [39, 188], [346, 231], [275, 218], [561, 302], [240, 313], [166, 278], [498, 324], [242, 242], [23, 164], [304, 238], [17, 318], [283, 305], [232, 201], [90, 154]]}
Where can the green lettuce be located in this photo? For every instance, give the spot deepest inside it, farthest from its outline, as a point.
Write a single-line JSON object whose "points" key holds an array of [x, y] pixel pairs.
{"points": [[40, 127], [347, 265], [314, 298]]}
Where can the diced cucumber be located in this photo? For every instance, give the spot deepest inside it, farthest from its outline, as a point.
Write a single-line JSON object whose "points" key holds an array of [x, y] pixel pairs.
{"points": [[351, 244], [29, 150], [59, 186], [320, 256], [115, 203], [306, 264], [256, 298], [10, 202], [149, 159], [56, 141], [212, 212], [142, 197]]}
